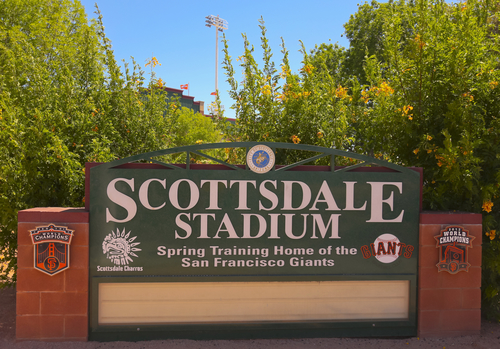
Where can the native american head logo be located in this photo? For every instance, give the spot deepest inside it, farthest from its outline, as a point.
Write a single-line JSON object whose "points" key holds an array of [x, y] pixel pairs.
{"points": [[118, 247]]}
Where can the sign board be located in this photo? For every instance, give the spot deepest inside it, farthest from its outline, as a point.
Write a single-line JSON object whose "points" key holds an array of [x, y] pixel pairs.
{"points": [[163, 225]]}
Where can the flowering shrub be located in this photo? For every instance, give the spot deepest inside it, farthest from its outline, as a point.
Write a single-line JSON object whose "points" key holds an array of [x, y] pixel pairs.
{"points": [[418, 86], [64, 102]]}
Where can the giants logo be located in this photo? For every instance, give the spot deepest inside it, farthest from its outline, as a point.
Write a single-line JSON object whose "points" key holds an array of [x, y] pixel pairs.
{"points": [[453, 243], [51, 248], [386, 249]]}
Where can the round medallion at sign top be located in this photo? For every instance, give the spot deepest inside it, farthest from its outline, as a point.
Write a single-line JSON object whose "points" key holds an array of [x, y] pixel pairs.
{"points": [[260, 159]]}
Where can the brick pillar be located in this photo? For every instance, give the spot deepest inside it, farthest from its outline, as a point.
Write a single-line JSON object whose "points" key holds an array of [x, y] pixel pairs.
{"points": [[448, 304], [53, 308]]}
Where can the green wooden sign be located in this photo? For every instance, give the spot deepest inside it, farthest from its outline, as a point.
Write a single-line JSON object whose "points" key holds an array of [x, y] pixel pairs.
{"points": [[261, 221]]}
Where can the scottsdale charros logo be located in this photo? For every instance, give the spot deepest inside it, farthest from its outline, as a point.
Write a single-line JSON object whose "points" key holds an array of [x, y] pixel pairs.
{"points": [[119, 248]]}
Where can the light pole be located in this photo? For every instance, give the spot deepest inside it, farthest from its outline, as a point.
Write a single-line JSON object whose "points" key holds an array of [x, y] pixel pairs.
{"points": [[220, 25]]}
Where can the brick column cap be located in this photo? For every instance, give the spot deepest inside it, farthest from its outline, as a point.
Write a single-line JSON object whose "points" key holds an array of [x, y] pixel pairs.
{"points": [[54, 215], [450, 217]]}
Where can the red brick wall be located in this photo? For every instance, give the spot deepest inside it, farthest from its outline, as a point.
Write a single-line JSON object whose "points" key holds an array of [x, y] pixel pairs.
{"points": [[53, 308], [448, 304]]}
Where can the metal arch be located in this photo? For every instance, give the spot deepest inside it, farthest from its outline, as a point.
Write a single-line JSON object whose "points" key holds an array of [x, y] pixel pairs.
{"points": [[195, 149]]}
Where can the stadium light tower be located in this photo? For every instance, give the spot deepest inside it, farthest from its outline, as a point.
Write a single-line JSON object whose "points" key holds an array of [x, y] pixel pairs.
{"points": [[220, 25]]}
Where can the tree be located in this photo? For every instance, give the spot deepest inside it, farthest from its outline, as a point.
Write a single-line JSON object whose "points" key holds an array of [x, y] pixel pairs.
{"points": [[192, 128], [431, 100], [330, 59], [64, 101], [278, 105], [418, 86], [365, 31]]}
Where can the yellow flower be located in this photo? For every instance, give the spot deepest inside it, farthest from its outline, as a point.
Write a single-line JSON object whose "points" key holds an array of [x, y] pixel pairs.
{"points": [[406, 109], [199, 141], [320, 134], [341, 92], [419, 41], [491, 234], [493, 84], [266, 89], [308, 68], [429, 137], [468, 96], [385, 89], [487, 205], [284, 72], [160, 82], [153, 62], [365, 96], [416, 151], [295, 139], [429, 151]]}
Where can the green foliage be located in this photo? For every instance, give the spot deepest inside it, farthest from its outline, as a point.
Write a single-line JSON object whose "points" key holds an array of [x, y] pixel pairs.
{"points": [[277, 105], [441, 63], [193, 128], [64, 102], [365, 30], [418, 86]]}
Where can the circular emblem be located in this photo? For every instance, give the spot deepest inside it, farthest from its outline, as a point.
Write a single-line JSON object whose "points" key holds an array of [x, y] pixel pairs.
{"points": [[260, 159], [51, 264], [453, 267], [387, 248]]}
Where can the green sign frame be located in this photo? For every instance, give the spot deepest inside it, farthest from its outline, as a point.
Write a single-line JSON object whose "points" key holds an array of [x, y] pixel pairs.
{"points": [[152, 221]]}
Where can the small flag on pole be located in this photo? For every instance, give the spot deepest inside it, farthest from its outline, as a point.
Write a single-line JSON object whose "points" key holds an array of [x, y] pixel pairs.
{"points": [[185, 87], [213, 94]]}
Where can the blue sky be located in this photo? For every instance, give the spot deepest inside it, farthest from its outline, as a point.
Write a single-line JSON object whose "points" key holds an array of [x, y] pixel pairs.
{"points": [[175, 33]]}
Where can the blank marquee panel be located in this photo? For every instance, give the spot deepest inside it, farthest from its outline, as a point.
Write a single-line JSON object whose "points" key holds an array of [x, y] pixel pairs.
{"points": [[213, 302]]}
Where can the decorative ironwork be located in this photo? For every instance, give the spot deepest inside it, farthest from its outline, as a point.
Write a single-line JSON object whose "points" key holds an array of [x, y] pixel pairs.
{"points": [[197, 150]]}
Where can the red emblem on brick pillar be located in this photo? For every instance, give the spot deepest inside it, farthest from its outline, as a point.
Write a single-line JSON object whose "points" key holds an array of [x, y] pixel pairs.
{"points": [[51, 248], [453, 243]]}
